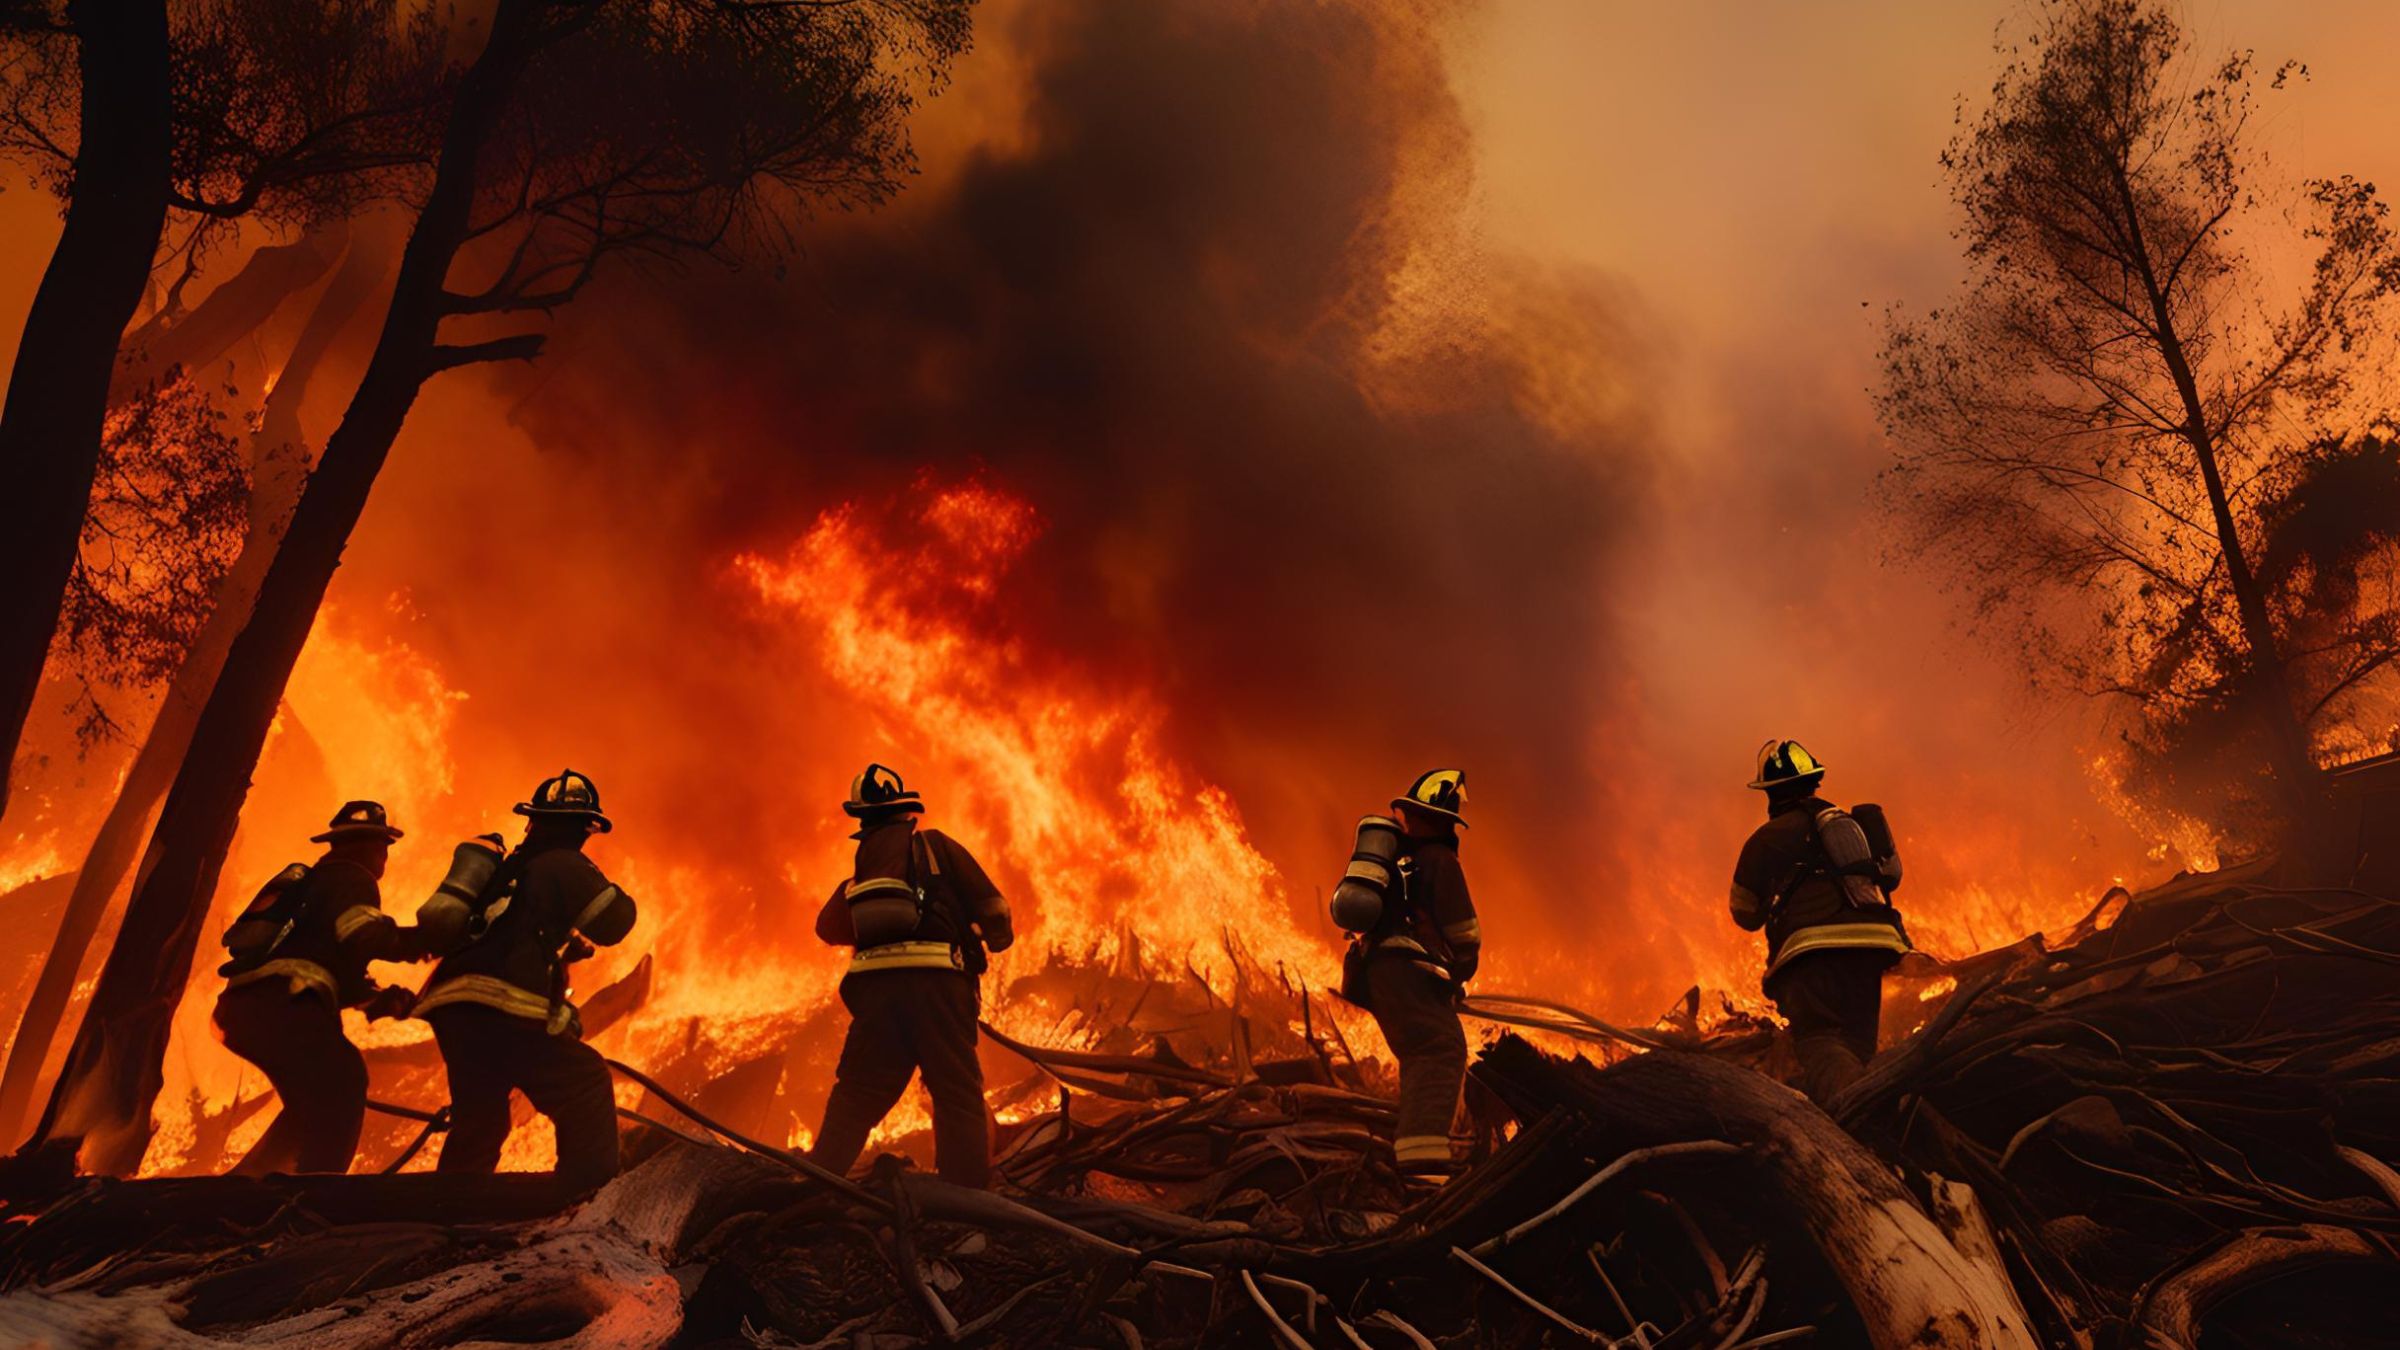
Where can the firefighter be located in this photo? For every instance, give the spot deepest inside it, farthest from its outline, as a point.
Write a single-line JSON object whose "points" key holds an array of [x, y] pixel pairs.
{"points": [[1417, 944], [498, 1000], [919, 915], [1819, 880], [299, 956]]}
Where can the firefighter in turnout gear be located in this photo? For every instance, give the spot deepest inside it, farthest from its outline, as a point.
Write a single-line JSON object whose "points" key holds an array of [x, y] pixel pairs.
{"points": [[506, 931], [1417, 943], [919, 915], [298, 956], [1819, 879]]}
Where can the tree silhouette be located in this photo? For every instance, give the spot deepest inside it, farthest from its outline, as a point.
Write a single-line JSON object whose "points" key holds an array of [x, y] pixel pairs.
{"points": [[200, 112], [2095, 432], [580, 133]]}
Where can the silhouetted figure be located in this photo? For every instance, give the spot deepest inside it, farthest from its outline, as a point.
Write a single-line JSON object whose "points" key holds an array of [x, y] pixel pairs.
{"points": [[498, 1001], [919, 914], [1418, 943], [1818, 879], [299, 956]]}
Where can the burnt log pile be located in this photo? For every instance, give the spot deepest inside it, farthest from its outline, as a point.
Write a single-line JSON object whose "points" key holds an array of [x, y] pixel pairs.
{"points": [[2171, 1126]]}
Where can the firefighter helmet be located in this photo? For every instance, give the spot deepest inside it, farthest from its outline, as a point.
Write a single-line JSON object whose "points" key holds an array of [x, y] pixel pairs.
{"points": [[357, 820], [1786, 762], [877, 791], [1437, 792], [568, 795]]}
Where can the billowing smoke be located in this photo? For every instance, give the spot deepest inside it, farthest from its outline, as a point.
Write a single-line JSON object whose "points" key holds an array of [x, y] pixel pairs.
{"points": [[1338, 494]]}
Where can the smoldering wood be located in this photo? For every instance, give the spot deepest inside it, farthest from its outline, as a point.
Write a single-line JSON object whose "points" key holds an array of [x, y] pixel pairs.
{"points": [[2171, 1128]]}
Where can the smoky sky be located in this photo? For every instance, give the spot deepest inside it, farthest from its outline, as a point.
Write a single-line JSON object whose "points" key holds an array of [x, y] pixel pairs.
{"points": [[1163, 313]]}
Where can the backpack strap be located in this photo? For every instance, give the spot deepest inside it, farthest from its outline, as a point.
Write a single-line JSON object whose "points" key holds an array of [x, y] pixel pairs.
{"points": [[496, 901]]}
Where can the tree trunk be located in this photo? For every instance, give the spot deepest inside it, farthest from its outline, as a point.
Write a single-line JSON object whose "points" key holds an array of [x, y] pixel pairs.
{"points": [[2174, 1310], [58, 392], [2299, 783], [113, 1071], [232, 311], [599, 1275], [278, 465], [1912, 1285]]}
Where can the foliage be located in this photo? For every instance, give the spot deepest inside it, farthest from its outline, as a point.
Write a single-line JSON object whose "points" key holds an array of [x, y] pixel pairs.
{"points": [[2098, 436], [168, 511], [657, 129], [289, 113]]}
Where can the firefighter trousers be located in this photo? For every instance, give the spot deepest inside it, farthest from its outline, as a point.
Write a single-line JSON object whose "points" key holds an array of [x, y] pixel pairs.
{"points": [[903, 1022], [1418, 1014], [487, 1053], [1834, 1002], [296, 1040]]}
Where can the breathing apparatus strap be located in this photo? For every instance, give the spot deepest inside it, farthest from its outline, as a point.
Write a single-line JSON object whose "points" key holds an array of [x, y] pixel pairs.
{"points": [[1818, 863], [493, 902], [926, 898]]}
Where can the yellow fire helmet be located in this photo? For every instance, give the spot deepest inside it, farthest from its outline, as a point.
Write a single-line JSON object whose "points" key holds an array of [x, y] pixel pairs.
{"points": [[1781, 762], [878, 791], [1440, 792]]}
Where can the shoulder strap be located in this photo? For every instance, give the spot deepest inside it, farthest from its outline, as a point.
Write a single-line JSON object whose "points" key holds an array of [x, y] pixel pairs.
{"points": [[920, 845], [502, 885], [942, 894]]}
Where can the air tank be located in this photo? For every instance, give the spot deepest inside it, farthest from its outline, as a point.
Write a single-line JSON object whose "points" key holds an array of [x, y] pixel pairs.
{"points": [[1373, 877], [446, 914], [884, 910], [1880, 842]]}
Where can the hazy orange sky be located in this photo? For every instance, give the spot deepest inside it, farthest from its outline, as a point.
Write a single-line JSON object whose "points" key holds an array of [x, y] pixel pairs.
{"points": [[1761, 181]]}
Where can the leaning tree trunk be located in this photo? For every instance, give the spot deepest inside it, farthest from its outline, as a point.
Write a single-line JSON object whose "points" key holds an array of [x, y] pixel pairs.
{"points": [[114, 1067], [278, 467], [1914, 1287], [58, 391], [232, 311]]}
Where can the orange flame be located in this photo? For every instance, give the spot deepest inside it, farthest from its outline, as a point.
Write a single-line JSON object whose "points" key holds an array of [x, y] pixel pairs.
{"points": [[1067, 786]]}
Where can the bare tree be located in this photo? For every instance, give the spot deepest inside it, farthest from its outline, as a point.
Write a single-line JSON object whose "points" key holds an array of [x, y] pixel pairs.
{"points": [[211, 109], [581, 132], [2094, 433]]}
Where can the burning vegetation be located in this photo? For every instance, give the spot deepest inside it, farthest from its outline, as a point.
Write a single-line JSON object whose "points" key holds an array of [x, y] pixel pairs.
{"points": [[1159, 472]]}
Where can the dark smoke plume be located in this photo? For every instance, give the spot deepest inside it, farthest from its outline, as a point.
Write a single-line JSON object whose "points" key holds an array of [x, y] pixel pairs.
{"points": [[1341, 494]]}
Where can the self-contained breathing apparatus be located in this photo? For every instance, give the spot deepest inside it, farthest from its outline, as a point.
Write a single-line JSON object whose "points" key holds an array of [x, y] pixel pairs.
{"points": [[252, 939], [475, 891], [1373, 903], [893, 912], [1856, 851], [885, 910], [473, 896], [1373, 879], [1860, 854]]}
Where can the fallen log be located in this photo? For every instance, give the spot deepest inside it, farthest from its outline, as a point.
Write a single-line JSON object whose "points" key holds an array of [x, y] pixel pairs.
{"points": [[2172, 1311], [599, 1274], [1910, 1284]]}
